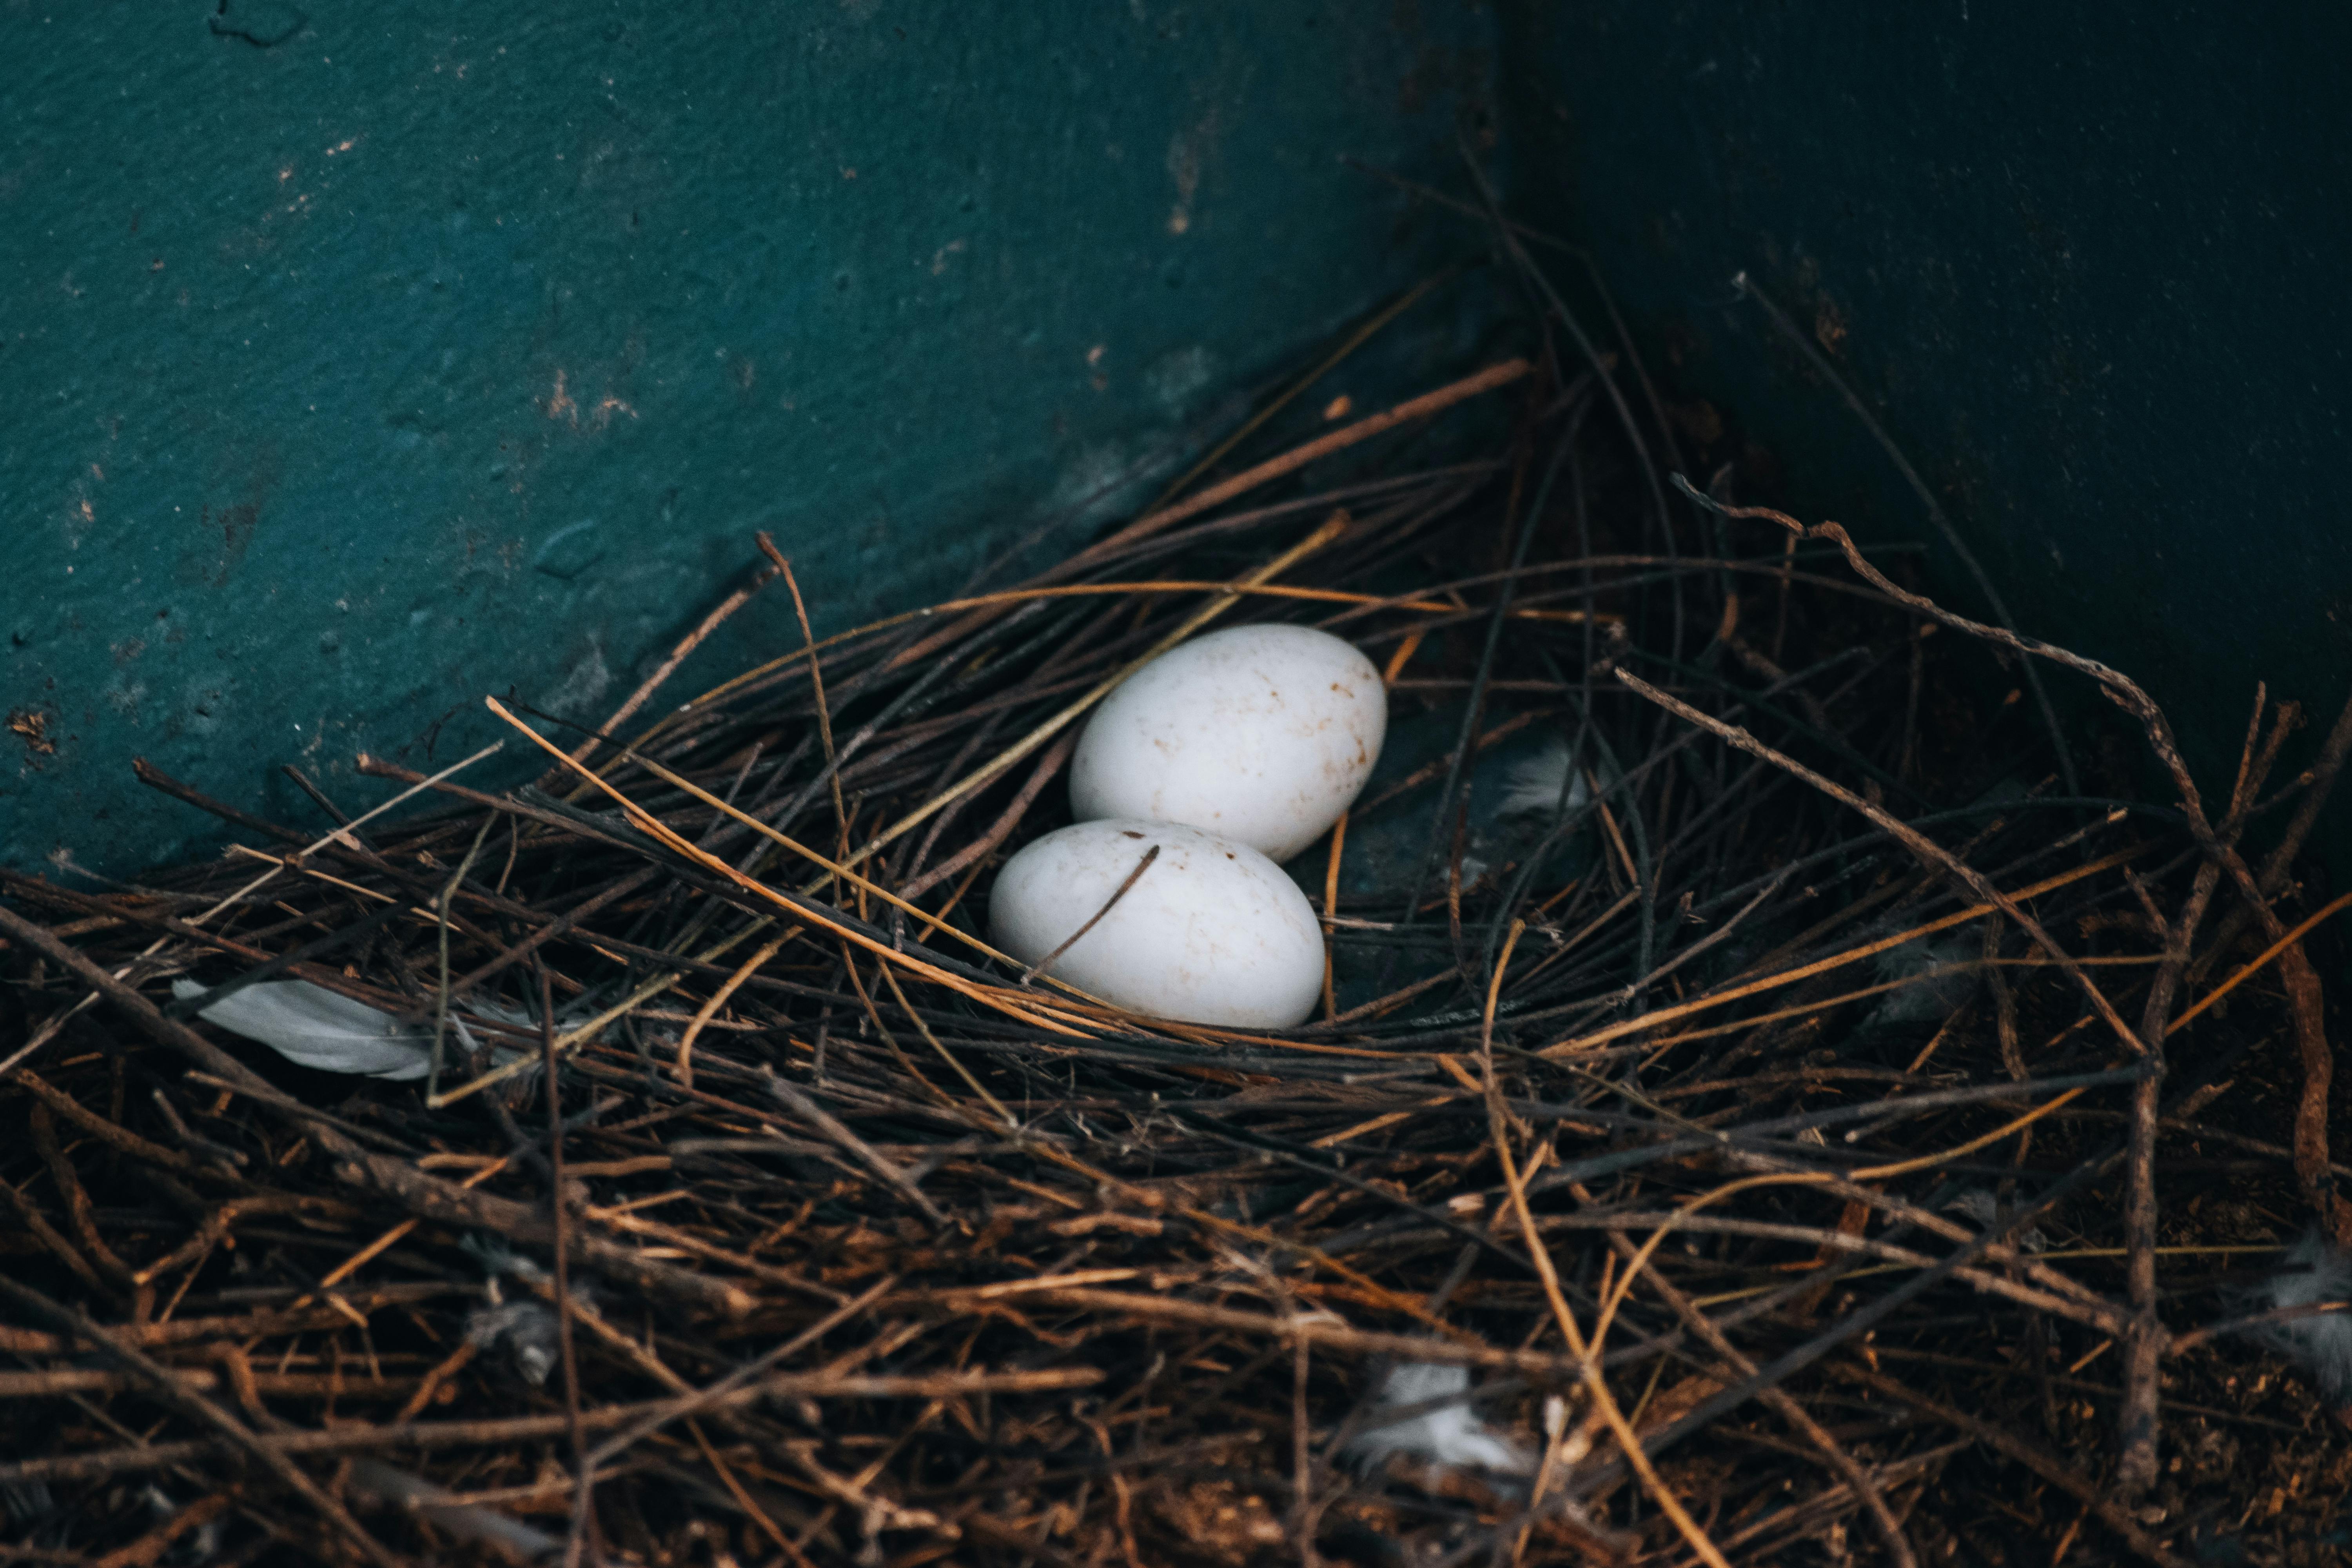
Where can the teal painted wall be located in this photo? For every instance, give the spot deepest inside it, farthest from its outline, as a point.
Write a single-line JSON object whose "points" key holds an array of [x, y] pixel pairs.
{"points": [[366, 361], [363, 361], [2085, 262]]}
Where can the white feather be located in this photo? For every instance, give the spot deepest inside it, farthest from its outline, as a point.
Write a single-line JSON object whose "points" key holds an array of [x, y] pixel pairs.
{"points": [[1450, 1434], [1534, 786], [316, 1027], [2321, 1343]]}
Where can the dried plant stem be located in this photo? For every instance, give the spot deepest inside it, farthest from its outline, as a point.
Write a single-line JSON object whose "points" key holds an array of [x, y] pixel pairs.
{"points": [[1604, 1400], [205, 1412], [1330, 530], [1106, 1255], [1092, 920], [1928, 851], [1159, 521], [719, 617]]}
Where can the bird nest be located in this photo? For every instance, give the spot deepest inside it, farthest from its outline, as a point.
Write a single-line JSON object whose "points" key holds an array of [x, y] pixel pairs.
{"points": [[1737, 1127]]}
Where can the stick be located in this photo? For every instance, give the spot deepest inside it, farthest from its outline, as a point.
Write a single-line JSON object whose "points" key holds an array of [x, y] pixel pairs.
{"points": [[1332, 528], [1093, 920], [1597, 1386], [1911, 839], [654, 682], [2111, 1513], [824, 1121], [171, 1391], [1159, 522], [430, 1436], [422, 1194]]}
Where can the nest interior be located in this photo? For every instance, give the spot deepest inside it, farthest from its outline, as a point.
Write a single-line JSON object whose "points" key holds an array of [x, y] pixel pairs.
{"points": [[1817, 1096]]}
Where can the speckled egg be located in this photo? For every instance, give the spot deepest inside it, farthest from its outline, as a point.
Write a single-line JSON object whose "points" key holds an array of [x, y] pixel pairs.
{"points": [[1211, 932], [1260, 734]]}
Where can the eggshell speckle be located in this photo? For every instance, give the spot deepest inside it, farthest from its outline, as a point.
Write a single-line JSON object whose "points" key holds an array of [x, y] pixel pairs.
{"points": [[1213, 933], [1259, 734]]}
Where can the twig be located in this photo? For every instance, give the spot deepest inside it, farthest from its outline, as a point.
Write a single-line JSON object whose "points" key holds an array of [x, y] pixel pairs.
{"points": [[2110, 1512], [1928, 851], [1743, 284], [816, 1116], [1093, 920], [668, 667], [175, 1392]]}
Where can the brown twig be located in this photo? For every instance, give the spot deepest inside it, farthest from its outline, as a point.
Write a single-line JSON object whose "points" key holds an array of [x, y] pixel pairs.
{"points": [[433, 1437], [176, 1394], [1093, 920], [2109, 1511], [1171, 1220], [719, 617]]}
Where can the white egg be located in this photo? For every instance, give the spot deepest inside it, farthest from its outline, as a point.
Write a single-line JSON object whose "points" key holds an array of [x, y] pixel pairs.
{"points": [[1259, 734], [1211, 932]]}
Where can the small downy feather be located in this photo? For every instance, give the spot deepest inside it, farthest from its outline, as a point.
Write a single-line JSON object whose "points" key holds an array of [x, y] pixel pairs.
{"points": [[1982, 1206], [2309, 1273], [326, 1030], [202, 1544], [526, 1332], [1534, 786], [1451, 1435], [316, 1027], [1933, 978]]}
